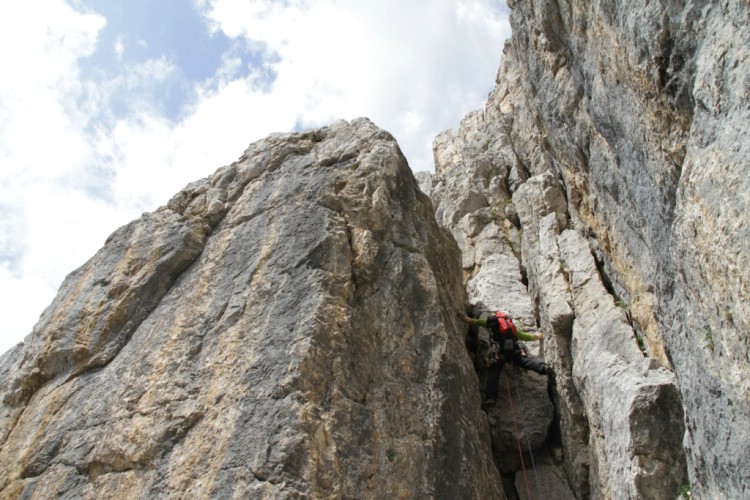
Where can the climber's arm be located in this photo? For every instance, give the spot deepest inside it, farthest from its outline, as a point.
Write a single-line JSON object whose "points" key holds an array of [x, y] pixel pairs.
{"points": [[528, 337], [473, 321]]}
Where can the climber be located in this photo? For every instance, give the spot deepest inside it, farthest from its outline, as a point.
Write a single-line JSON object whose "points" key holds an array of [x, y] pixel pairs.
{"points": [[504, 347]]}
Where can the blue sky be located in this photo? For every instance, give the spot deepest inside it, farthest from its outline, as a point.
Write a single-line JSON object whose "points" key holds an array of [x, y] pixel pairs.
{"points": [[109, 108], [173, 32]]}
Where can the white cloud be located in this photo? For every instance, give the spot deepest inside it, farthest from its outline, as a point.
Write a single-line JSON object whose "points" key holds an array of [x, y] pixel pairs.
{"points": [[41, 150], [119, 48], [24, 298], [72, 170], [406, 65]]}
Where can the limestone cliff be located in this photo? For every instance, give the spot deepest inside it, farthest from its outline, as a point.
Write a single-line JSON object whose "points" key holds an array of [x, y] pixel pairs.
{"points": [[602, 195], [286, 327], [282, 329]]}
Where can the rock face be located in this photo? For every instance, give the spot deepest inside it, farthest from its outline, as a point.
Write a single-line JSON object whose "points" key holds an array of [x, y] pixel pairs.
{"points": [[602, 195], [282, 329], [286, 327]]}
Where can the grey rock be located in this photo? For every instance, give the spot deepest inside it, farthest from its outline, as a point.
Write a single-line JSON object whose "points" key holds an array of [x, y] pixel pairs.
{"points": [[543, 215], [543, 481], [600, 196], [492, 239], [632, 403], [520, 418], [639, 112], [283, 328]]}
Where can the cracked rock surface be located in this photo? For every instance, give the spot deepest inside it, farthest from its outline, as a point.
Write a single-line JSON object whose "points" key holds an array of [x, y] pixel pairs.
{"points": [[283, 328], [602, 195]]}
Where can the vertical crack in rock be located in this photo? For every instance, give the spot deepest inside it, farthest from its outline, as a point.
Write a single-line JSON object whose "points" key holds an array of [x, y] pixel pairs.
{"points": [[637, 121], [284, 328]]}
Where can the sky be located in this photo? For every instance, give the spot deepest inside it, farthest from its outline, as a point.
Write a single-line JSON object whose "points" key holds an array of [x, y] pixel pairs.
{"points": [[108, 108]]}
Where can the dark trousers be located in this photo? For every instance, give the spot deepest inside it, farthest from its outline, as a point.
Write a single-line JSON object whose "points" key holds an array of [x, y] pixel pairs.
{"points": [[492, 388]]}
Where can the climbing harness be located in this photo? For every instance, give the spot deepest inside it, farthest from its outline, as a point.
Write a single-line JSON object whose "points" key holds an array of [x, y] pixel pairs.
{"points": [[518, 440]]}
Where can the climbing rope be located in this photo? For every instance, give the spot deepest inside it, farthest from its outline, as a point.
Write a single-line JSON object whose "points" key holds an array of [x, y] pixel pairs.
{"points": [[518, 438], [528, 440]]}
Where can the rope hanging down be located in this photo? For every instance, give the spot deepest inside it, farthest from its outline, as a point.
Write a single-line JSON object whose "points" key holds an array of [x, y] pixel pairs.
{"points": [[528, 441], [518, 441]]}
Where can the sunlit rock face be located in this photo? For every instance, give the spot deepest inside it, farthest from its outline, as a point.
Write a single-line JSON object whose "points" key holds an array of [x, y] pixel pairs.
{"points": [[285, 328], [602, 195]]}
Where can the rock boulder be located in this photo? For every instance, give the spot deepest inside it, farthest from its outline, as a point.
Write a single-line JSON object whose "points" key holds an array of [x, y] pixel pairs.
{"points": [[282, 329]]}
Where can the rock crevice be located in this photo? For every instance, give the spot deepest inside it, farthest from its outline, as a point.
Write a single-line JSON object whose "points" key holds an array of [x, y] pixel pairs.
{"points": [[610, 155], [286, 327]]}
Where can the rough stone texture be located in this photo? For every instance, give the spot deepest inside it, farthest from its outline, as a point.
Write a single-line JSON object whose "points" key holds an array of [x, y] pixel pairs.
{"points": [[609, 395], [707, 317], [476, 172], [638, 111], [543, 215], [631, 402], [643, 110], [282, 329], [601, 195], [523, 416], [547, 482]]}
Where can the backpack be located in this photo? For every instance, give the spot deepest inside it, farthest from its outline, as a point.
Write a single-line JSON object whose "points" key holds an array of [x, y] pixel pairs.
{"points": [[503, 332]]}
